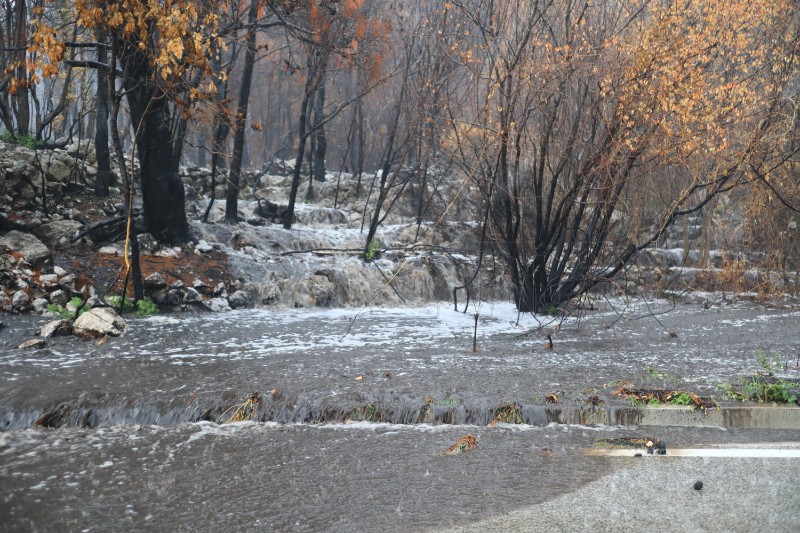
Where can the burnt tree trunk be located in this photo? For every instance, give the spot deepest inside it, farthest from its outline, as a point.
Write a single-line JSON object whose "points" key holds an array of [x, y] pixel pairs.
{"points": [[234, 175], [163, 199], [104, 177]]}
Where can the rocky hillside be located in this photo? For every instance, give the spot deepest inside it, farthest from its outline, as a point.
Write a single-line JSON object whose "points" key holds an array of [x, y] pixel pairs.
{"points": [[48, 254], [58, 241]]}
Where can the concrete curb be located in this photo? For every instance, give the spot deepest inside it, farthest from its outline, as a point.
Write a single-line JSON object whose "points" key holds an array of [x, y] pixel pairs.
{"points": [[743, 417]]}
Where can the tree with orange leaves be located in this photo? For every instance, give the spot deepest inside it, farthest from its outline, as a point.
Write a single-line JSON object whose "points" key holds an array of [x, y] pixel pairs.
{"points": [[161, 50], [580, 104]]}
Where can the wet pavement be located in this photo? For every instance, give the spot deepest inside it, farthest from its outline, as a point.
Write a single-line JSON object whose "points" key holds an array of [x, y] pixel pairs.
{"points": [[372, 477]]}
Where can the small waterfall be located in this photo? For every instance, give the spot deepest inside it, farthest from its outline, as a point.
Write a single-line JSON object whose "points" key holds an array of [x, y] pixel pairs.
{"points": [[283, 409]]}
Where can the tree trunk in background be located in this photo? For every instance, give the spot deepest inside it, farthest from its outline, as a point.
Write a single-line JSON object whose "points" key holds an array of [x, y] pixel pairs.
{"points": [[321, 144], [686, 240], [201, 149], [301, 149], [20, 99], [357, 153], [232, 197], [112, 104], [104, 177]]}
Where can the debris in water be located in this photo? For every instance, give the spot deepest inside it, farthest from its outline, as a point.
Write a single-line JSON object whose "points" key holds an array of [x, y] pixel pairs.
{"points": [[244, 411], [666, 396], [594, 400], [360, 378], [698, 485], [467, 442], [650, 443], [662, 446], [551, 398], [509, 413], [426, 413], [54, 418]]}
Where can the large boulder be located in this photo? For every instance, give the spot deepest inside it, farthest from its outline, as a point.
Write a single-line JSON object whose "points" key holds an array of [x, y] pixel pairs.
{"points": [[59, 171], [52, 232], [99, 322], [27, 246]]}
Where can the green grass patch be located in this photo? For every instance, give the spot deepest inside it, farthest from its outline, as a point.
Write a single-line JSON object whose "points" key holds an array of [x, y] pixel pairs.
{"points": [[372, 250]]}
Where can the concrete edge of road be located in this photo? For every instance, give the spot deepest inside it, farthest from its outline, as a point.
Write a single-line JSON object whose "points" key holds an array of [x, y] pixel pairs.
{"points": [[744, 417]]}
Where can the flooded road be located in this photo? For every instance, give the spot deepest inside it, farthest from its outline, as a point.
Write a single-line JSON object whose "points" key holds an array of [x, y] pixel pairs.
{"points": [[356, 408], [355, 477], [324, 365]]}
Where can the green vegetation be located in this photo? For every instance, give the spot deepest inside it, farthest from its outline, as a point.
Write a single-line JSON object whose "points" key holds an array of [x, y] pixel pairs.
{"points": [[140, 308], [654, 378], [654, 402], [372, 250], [28, 141], [60, 311], [763, 387], [681, 399]]}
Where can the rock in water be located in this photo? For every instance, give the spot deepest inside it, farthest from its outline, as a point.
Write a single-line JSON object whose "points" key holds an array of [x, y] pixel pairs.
{"points": [[32, 343], [98, 322], [56, 327]]}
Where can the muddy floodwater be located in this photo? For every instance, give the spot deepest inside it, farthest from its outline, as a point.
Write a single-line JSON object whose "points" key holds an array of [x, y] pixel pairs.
{"points": [[355, 408], [353, 477], [312, 366]]}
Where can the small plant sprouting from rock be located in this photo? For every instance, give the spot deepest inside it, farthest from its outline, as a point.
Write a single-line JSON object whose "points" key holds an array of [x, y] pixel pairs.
{"points": [[372, 250], [146, 308], [681, 399]]}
